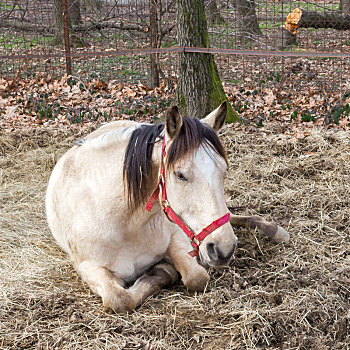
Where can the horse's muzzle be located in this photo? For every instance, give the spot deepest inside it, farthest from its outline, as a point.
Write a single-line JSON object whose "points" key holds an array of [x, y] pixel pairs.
{"points": [[215, 256]]}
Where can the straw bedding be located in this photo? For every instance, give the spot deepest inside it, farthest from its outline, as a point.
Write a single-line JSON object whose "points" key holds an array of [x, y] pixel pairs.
{"points": [[273, 296]]}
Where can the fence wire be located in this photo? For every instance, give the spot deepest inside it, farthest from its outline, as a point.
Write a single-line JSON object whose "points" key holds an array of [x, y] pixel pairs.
{"points": [[32, 40]]}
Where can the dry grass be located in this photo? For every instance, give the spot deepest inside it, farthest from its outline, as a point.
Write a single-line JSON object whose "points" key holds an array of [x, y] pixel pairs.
{"points": [[293, 296]]}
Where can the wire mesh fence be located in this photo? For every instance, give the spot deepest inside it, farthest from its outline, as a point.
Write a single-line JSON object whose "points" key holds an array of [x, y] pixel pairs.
{"points": [[32, 42], [98, 25]]}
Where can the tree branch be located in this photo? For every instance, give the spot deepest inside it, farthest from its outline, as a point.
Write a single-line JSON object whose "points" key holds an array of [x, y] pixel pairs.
{"points": [[28, 27], [108, 24]]}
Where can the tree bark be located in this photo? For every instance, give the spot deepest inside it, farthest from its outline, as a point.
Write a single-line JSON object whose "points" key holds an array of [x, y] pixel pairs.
{"points": [[247, 19], [153, 8], [199, 89], [28, 27], [74, 11], [65, 12]]}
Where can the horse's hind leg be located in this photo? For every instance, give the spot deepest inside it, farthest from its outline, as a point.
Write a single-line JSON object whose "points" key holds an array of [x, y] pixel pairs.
{"points": [[159, 276], [103, 283], [272, 230]]}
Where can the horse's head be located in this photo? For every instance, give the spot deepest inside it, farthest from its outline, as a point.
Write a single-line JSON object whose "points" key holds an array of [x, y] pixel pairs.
{"points": [[195, 163]]}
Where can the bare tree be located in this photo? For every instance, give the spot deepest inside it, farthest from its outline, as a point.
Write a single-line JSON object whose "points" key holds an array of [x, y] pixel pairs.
{"points": [[74, 11], [247, 19]]}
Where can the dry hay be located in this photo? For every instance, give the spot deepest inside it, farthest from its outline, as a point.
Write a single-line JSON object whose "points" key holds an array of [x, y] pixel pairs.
{"points": [[293, 296]]}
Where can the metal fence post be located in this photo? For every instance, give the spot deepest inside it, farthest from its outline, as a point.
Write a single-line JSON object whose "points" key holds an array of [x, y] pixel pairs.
{"points": [[66, 37]]}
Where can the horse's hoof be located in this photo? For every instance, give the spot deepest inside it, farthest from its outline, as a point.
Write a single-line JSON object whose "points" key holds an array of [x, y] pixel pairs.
{"points": [[281, 235], [167, 272]]}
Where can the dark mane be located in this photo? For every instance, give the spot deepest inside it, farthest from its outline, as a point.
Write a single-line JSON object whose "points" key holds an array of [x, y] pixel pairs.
{"points": [[137, 169]]}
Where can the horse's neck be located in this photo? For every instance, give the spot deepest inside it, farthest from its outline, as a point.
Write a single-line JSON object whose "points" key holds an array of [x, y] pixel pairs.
{"points": [[140, 217], [157, 155], [152, 186]]}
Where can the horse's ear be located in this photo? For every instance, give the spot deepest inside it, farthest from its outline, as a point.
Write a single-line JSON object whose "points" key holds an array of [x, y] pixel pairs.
{"points": [[216, 119], [173, 122]]}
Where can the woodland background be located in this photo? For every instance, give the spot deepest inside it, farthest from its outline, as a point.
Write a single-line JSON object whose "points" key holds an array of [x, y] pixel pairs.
{"points": [[273, 75]]}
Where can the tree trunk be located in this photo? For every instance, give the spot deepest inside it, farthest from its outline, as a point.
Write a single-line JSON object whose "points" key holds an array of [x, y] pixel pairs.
{"points": [[247, 19], [74, 11], [93, 4], [120, 25], [199, 88], [153, 8], [58, 22], [213, 13], [344, 6], [66, 26], [300, 18], [73, 17]]}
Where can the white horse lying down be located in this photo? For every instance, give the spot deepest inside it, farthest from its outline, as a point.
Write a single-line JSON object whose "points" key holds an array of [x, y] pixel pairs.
{"points": [[96, 201]]}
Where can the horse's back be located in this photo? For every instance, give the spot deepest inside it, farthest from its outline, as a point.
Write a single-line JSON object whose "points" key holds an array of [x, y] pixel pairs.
{"points": [[111, 126]]}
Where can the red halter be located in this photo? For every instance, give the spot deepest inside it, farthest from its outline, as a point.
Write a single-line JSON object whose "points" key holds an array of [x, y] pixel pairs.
{"points": [[170, 214]]}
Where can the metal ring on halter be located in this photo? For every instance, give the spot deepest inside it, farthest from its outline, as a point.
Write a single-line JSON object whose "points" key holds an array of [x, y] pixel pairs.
{"points": [[161, 179], [165, 203], [195, 240]]}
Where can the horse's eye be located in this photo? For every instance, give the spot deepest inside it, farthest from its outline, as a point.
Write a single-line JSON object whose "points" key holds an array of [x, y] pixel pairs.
{"points": [[180, 176]]}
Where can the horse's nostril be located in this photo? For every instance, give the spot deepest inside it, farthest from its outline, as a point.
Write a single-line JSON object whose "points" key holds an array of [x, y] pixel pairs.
{"points": [[216, 255], [221, 257], [211, 252]]}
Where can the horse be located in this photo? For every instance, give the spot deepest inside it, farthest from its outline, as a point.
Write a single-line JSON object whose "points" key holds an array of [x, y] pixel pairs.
{"points": [[98, 191]]}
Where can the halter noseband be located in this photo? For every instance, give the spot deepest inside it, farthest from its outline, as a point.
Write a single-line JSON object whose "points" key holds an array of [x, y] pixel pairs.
{"points": [[170, 214]]}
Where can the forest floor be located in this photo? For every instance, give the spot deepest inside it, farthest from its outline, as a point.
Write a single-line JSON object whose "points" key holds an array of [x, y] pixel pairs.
{"points": [[273, 296], [289, 100]]}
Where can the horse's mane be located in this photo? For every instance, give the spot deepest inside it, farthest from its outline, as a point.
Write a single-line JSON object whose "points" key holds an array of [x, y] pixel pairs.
{"points": [[137, 169]]}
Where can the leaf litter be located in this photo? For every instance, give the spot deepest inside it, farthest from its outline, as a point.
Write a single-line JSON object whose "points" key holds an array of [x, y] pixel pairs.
{"points": [[44, 102]]}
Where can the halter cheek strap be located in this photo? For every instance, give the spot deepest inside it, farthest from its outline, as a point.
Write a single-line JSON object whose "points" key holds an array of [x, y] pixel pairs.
{"points": [[170, 214]]}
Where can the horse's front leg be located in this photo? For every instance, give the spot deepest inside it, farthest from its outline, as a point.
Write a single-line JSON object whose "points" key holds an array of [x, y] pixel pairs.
{"points": [[271, 229], [194, 276], [111, 289]]}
